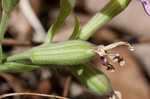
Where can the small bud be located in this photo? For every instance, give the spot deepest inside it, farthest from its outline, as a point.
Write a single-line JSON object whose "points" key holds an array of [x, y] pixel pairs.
{"points": [[95, 80]]}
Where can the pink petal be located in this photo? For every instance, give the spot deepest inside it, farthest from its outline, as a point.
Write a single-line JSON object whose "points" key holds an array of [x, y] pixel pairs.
{"points": [[146, 6]]}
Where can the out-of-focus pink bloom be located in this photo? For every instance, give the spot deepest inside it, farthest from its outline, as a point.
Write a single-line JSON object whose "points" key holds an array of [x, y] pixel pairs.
{"points": [[146, 6]]}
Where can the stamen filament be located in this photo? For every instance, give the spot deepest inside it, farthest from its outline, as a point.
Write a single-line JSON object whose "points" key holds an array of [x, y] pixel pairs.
{"points": [[113, 45]]}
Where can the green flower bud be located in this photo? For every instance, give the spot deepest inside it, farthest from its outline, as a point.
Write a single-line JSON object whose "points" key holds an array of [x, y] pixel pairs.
{"points": [[95, 80], [71, 52], [8, 5], [16, 67], [64, 53]]}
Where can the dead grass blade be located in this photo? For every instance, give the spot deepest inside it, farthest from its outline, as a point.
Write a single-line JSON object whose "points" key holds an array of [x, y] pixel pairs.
{"points": [[32, 94]]}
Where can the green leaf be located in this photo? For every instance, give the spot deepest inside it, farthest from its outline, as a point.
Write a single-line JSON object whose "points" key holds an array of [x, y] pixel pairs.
{"points": [[8, 5], [75, 33], [16, 67], [66, 7]]}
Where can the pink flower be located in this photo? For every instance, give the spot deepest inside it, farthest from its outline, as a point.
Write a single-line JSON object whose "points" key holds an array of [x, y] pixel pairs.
{"points": [[146, 6]]}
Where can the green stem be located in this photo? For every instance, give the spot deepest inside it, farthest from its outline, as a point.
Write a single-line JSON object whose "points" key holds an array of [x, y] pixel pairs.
{"points": [[2, 30], [113, 8]]}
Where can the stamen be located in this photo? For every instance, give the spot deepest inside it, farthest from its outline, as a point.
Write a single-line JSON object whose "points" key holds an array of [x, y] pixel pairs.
{"points": [[113, 45], [105, 62], [117, 58], [111, 68], [110, 64], [109, 60], [114, 57]]}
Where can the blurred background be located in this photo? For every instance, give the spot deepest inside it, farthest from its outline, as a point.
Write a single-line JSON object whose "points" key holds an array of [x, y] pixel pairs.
{"points": [[24, 32]]}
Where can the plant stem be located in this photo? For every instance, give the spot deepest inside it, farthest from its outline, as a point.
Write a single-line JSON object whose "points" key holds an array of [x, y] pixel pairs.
{"points": [[113, 8], [2, 30]]}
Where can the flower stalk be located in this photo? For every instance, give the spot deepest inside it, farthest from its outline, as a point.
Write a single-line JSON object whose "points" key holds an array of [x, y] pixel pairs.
{"points": [[113, 8]]}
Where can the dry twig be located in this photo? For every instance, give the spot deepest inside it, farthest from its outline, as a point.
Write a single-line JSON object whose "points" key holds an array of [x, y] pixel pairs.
{"points": [[14, 42], [67, 85], [31, 94]]}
